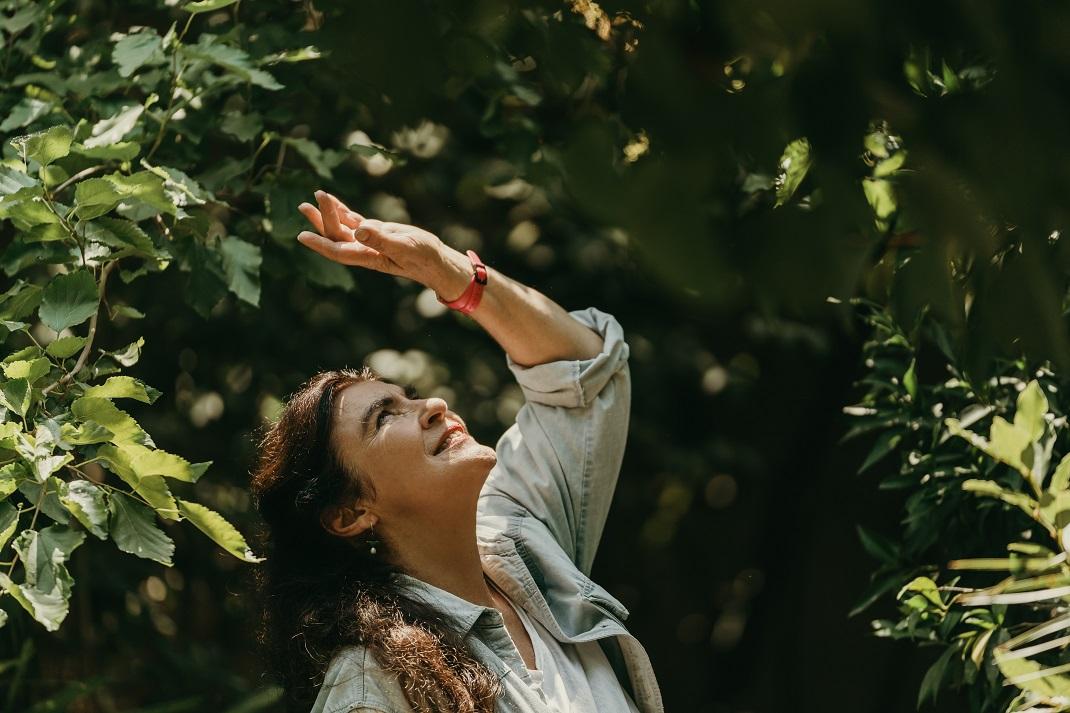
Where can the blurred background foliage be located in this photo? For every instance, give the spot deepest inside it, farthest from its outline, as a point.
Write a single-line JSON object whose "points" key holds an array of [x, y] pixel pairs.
{"points": [[710, 173]]}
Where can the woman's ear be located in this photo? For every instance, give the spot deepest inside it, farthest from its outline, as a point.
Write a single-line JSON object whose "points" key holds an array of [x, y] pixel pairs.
{"points": [[347, 520]]}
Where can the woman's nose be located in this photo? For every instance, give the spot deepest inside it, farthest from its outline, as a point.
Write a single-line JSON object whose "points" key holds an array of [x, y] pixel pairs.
{"points": [[434, 408]]}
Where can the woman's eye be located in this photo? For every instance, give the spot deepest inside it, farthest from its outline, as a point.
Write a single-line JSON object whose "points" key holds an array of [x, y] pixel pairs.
{"points": [[379, 419]]}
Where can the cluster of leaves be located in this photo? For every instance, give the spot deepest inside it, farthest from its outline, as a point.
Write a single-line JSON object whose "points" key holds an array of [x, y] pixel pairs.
{"points": [[968, 493], [93, 189]]}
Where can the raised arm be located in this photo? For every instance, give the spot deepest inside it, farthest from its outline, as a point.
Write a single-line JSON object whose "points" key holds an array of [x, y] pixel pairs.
{"points": [[560, 460], [529, 326]]}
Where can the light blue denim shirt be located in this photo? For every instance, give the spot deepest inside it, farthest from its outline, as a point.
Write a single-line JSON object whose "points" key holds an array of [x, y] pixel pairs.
{"points": [[540, 517]]}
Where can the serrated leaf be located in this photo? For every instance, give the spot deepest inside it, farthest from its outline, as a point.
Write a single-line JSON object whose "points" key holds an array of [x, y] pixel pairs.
{"points": [[241, 262], [218, 529], [133, 527], [65, 347], [120, 387], [16, 395], [85, 433], [50, 505], [125, 235], [104, 412], [153, 488], [231, 59], [42, 552], [88, 504], [120, 151], [94, 197], [9, 521], [30, 369], [68, 300], [46, 146], [134, 50], [115, 128]]}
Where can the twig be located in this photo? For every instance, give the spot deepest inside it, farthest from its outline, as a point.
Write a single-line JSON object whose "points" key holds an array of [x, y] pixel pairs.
{"points": [[84, 356], [79, 176]]}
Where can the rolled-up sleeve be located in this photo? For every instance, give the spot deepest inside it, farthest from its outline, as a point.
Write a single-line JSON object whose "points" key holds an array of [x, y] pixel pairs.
{"points": [[561, 459]]}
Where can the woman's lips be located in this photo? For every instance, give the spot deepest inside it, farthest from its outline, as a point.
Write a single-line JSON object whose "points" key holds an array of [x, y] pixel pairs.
{"points": [[454, 439]]}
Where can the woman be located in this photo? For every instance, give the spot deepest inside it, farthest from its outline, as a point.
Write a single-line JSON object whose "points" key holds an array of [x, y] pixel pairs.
{"points": [[411, 568]]}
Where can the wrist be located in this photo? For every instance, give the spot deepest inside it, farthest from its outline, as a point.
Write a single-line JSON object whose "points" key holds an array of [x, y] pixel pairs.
{"points": [[454, 275]]}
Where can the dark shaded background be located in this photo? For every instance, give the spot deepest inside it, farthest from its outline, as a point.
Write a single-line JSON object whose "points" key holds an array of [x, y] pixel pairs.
{"points": [[732, 537]]}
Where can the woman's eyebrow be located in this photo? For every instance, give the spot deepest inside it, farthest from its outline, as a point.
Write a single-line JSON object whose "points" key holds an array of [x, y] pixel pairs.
{"points": [[379, 403], [382, 402]]}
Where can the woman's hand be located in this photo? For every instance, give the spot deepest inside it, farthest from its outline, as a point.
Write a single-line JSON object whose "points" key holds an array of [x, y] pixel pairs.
{"points": [[347, 237]]}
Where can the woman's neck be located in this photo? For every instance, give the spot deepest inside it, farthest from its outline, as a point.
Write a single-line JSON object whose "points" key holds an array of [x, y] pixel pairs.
{"points": [[445, 556]]}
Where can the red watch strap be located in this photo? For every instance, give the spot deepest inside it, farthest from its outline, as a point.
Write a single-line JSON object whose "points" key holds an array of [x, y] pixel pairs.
{"points": [[472, 294]]}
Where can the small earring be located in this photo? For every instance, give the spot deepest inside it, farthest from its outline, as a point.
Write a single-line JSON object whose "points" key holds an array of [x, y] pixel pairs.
{"points": [[373, 541]]}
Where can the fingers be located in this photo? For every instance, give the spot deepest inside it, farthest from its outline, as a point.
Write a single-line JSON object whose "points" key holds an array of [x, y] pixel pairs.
{"points": [[332, 228], [346, 253]]}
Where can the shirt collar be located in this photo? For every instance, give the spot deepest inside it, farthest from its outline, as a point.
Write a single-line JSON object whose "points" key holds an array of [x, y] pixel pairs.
{"points": [[460, 613]]}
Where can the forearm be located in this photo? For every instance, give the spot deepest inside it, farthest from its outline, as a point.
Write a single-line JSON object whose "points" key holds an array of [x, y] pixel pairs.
{"points": [[529, 326]]}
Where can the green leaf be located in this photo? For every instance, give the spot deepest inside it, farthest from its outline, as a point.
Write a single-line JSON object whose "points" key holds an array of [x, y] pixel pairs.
{"points": [[195, 8], [934, 677], [88, 504], [794, 164], [148, 461], [102, 411], [1061, 480], [31, 369], [27, 111], [121, 151], [910, 379], [241, 262], [46, 494], [879, 547], [1030, 410], [85, 433], [47, 584], [133, 527], [153, 488], [301, 54], [890, 165], [231, 59], [118, 387], [218, 529], [69, 300], [9, 521], [134, 50], [881, 197], [243, 127], [94, 197], [46, 146], [321, 160], [125, 235], [16, 395], [115, 128], [885, 444], [65, 347]]}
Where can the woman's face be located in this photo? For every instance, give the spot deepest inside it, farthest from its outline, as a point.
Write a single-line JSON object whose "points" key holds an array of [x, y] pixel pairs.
{"points": [[393, 439]]}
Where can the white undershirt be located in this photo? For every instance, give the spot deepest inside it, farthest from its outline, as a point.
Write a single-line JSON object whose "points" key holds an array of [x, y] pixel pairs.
{"points": [[574, 678]]}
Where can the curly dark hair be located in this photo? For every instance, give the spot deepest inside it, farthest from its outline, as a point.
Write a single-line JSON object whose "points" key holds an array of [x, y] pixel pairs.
{"points": [[320, 594]]}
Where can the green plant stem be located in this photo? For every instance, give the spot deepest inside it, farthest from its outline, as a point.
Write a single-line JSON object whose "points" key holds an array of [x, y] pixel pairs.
{"points": [[84, 173], [84, 356]]}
